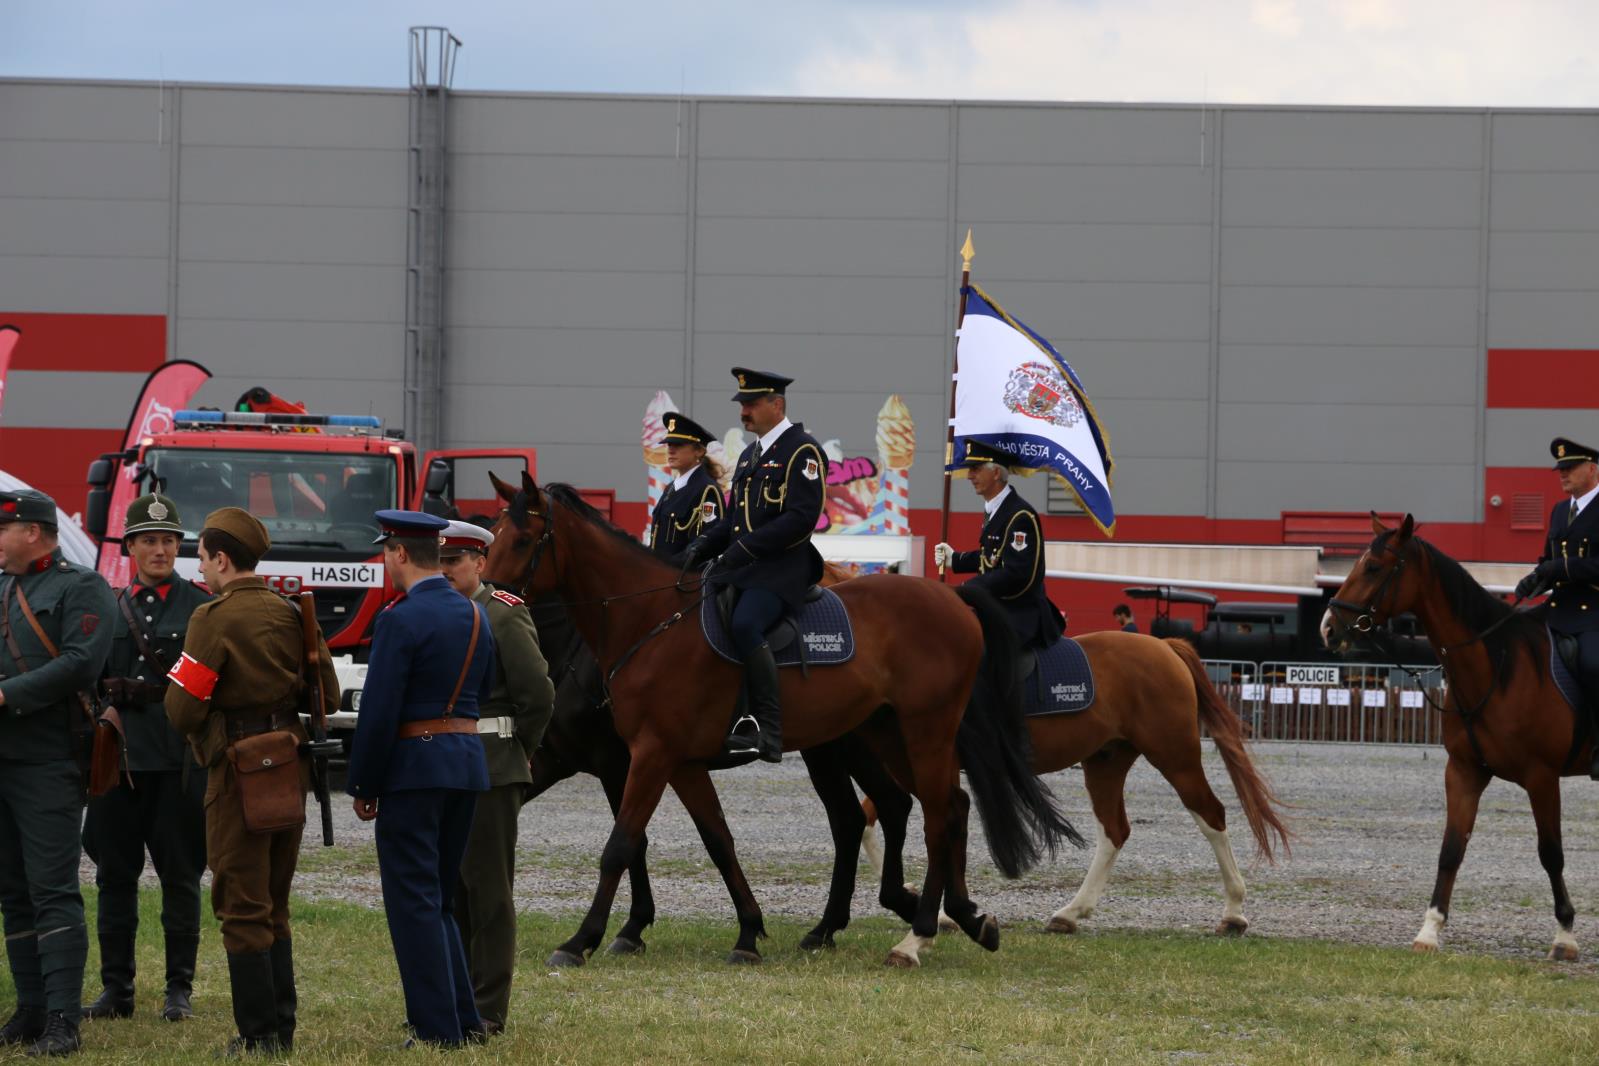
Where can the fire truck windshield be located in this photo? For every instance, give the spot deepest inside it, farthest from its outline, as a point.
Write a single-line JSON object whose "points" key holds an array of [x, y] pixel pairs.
{"points": [[307, 501]]}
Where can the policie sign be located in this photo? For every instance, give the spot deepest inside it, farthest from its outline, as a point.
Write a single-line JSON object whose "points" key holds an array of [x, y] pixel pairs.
{"points": [[1313, 675]]}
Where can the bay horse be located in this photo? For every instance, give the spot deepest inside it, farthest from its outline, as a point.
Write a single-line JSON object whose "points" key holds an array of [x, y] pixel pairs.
{"points": [[912, 693], [1151, 698], [1503, 715]]}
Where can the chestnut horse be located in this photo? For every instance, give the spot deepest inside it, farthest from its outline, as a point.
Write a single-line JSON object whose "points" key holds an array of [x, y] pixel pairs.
{"points": [[1503, 716], [912, 692], [1151, 698]]}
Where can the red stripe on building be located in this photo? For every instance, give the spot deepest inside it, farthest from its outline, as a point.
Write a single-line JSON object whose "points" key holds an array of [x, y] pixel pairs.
{"points": [[55, 461], [1543, 377], [127, 343]]}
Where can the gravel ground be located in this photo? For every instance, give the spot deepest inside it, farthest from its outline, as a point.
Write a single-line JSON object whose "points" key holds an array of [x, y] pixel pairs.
{"points": [[1368, 819]]}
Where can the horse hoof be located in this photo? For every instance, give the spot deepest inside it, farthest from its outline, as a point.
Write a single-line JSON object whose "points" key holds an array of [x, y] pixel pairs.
{"points": [[740, 957], [1424, 948], [900, 961], [623, 945], [988, 933], [1563, 953], [1232, 927], [816, 941], [1058, 924], [562, 959]]}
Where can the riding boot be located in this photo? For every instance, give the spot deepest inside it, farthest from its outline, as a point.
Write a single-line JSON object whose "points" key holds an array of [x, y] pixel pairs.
{"points": [[761, 730], [182, 949], [255, 1002], [283, 984], [116, 975]]}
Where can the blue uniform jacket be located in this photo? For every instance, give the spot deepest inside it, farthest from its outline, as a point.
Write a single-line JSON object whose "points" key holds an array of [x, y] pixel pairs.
{"points": [[777, 501], [683, 514], [418, 647], [1574, 549], [1010, 565]]}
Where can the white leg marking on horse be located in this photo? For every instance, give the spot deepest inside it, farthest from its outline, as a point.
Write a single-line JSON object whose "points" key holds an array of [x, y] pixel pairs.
{"points": [[1565, 944], [1430, 928], [1232, 882], [1093, 886], [874, 850], [910, 948]]}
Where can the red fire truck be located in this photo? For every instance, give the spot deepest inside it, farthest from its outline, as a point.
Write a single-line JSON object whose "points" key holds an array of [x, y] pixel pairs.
{"points": [[314, 481]]}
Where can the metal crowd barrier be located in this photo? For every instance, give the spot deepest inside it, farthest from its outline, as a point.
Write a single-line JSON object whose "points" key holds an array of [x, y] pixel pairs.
{"points": [[1360, 703]]}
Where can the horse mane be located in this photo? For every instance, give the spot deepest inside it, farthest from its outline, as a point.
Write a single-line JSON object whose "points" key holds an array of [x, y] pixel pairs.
{"points": [[1479, 610], [572, 500]]}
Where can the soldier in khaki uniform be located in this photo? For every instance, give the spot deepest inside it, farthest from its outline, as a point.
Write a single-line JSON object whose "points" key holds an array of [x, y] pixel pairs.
{"points": [[42, 671], [510, 724], [240, 676], [160, 806]]}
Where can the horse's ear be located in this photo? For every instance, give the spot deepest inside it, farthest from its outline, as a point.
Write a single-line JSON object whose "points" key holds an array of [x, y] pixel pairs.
{"points": [[1376, 524], [501, 489], [1406, 529], [530, 487]]}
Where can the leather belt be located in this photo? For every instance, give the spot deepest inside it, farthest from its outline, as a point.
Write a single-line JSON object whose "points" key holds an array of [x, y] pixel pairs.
{"points": [[429, 728], [502, 727], [249, 725]]}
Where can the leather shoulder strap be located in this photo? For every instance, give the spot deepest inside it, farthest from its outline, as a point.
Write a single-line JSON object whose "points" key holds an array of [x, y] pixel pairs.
{"points": [[5, 630], [136, 631], [471, 649], [38, 630], [85, 702]]}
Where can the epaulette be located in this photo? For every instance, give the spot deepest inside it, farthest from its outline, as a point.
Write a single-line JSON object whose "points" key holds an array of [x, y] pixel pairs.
{"points": [[507, 597]]}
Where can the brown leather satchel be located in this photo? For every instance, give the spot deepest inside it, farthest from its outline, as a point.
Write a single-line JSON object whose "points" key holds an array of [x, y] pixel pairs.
{"points": [[267, 768]]}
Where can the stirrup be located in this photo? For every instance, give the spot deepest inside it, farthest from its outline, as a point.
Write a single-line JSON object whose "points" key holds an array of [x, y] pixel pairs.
{"points": [[741, 741]]}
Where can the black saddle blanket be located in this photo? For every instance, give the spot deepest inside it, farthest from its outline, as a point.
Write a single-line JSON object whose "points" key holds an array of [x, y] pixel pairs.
{"points": [[818, 635], [1061, 680], [1565, 680]]}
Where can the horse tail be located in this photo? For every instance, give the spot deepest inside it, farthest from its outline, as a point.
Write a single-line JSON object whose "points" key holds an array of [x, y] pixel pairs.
{"points": [[1227, 730], [1018, 811]]}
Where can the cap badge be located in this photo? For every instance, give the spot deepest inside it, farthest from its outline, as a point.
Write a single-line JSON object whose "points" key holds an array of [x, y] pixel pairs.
{"points": [[1560, 451], [671, 425], [158, 511], [741, 382]]}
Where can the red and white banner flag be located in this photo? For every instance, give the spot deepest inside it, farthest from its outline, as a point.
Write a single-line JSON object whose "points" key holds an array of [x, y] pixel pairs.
{"points": [[167, 390], [9, 335]]}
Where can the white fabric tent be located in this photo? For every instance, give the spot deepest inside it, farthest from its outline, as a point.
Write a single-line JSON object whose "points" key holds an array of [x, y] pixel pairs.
{"points": [[75, 543]]}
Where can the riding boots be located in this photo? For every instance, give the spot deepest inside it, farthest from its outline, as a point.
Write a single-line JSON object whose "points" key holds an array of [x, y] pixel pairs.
{"points": [[283, 987], [255, 1003], [182, 948], [761, 730], [116, 975]]}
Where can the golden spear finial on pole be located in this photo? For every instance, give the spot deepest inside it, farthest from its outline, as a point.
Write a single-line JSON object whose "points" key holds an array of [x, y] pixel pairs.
{"points": [[968, 253]]}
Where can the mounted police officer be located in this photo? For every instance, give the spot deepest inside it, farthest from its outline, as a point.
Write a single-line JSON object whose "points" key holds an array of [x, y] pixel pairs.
{"points": [[1010, 560], [510, 724], [692, 503], [765, 549], [160, 804], [55, 634], [1569, 566], [417, 767], [237, 689]]}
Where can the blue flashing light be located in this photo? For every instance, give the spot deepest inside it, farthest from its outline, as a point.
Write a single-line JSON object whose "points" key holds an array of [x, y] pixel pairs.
{"points": [[261, 418]]}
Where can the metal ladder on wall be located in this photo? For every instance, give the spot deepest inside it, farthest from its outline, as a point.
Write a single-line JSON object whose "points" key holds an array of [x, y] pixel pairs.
{"points": [[433, 51]]}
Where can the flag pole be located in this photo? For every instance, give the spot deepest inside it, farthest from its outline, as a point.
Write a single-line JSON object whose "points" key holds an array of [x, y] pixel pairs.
{"points": [[968, 253]]}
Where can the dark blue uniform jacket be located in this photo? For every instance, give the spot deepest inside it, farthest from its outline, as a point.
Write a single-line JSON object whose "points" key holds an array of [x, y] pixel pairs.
{"points": [[418, 648], [1574, 547], [684, 514], [776, 502], [1010, 565]]}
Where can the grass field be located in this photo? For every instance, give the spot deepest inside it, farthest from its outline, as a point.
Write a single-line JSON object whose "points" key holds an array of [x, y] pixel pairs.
{"points": [[1100, 997]]}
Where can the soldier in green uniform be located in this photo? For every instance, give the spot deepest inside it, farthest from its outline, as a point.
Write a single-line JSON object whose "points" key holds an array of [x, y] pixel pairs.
{"points": [[510, 723], [240, 676], [55, 633], [160, 805]]}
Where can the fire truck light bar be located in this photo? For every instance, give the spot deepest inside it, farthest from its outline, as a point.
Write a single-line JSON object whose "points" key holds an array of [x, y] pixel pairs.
{"points": [[257, 418]]}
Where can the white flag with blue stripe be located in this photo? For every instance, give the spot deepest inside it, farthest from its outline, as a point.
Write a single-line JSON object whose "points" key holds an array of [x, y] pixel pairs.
{"points": [[1017, 395]]}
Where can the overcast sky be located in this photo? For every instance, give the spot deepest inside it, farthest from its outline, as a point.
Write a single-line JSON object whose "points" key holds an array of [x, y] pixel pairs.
{"points": [[1507, 53]]}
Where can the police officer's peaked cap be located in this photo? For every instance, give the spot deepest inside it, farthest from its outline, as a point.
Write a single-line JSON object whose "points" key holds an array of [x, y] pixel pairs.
{"points": [[461, 537], [408, 524], [753, 384], [1570, 453], [681, 429], [152, 514], [978, 453], [242, 526], [27, 505]]}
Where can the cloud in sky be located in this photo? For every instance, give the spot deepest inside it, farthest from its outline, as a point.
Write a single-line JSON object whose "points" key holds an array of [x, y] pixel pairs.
{"points": [[1395, 52]]}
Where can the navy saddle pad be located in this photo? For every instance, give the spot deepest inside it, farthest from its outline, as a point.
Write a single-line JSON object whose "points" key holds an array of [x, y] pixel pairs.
{"points": [[1061, 680], [818, 635], [1564, 680]]}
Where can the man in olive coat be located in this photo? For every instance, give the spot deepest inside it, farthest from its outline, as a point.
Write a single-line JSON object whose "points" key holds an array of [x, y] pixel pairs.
{"points": [[510, 725], [55, 632]]}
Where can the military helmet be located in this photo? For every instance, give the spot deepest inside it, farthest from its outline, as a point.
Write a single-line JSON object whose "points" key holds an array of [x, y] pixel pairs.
{"points": [[153, 513]]}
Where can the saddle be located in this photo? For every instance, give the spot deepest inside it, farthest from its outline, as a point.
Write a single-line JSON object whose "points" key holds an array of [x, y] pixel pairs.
{"points": [[1566, 668], [818, 634]]}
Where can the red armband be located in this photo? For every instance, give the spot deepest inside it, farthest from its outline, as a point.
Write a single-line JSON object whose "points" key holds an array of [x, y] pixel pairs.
{"points": [[193, 676]]}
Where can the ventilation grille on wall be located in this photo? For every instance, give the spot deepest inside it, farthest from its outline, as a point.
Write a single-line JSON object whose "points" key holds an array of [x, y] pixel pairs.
{"points": [[1059, 499], [1526, 511]]}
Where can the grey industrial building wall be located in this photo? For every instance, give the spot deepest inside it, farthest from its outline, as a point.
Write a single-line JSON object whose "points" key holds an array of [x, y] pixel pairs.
{"points": [[1273, 308]]}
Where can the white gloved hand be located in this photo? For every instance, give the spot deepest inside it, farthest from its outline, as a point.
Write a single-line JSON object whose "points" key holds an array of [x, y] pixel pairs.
{"points": [[943, 554]]}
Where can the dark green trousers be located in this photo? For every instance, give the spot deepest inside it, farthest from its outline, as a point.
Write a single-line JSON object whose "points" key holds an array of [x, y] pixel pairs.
{"points": [[159, 813], [41, 805], [484, 907]]}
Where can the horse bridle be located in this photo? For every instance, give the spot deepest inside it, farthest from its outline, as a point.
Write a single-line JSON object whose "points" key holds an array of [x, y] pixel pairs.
{"points": [[1365, 614]]}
